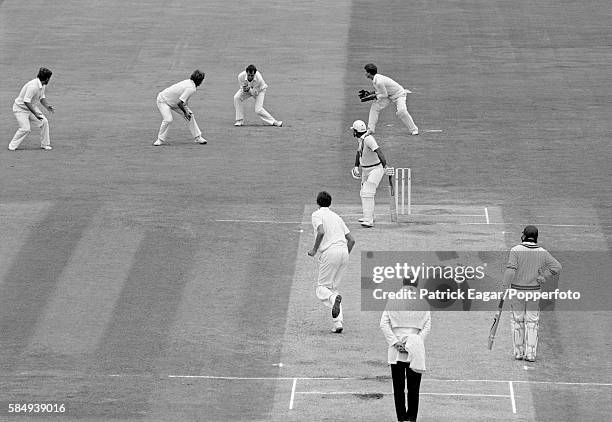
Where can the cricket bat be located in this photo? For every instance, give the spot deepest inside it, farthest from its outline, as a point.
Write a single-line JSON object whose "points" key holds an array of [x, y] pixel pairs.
{"points": [[496, 319], [392, 208]]}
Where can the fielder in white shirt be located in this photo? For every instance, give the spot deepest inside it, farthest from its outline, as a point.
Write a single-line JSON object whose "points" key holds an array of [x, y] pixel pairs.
{"points": [[388, 90], [373, 163], [26, 111], [333, 242], [175, 99], [253, 85]]}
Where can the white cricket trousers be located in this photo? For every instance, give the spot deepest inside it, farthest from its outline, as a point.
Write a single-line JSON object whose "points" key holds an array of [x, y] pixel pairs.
{"points": [[166, 112], [24, 118], [241, 96], [402, 112], [333, 263]]}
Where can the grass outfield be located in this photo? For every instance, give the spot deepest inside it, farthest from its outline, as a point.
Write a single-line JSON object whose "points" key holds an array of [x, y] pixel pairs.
{"points": [[171, 283]]}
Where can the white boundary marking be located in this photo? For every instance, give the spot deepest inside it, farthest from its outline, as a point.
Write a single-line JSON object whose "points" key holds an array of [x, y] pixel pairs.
{"points": [[487, 215], [512, 397], [292, 394]]}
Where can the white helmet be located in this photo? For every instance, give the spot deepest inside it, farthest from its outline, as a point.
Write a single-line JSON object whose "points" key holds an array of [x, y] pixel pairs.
{"points": [[359, 126]]}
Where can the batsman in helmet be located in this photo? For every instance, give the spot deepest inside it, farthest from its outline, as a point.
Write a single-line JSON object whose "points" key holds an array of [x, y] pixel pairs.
{"points": [[528, 266], [372, 162]]}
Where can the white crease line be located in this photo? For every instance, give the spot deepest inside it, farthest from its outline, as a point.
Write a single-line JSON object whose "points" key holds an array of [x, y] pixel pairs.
{"points": [[512, 397], [323, 393], [214, 377], [292, 394], [487, 215], [260, 221]]}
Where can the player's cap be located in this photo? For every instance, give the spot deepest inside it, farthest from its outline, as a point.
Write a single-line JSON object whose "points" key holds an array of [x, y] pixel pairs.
{"points": [[359, 126], [530, 232]]}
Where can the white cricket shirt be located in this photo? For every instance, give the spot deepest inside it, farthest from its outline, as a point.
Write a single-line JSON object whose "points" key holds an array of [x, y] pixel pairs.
{"points": [[333, 226], [367, 151], [180, 91], [32, 92], [387, 87], [257, 84]]}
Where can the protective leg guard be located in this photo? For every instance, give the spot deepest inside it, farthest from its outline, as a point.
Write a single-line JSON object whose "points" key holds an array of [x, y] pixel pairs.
{"points": [[518, 336], [531, 340], [368, 192]]}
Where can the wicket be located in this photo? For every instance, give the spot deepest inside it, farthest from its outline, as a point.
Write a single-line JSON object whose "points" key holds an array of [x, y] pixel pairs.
{"points": [[406, 187]]}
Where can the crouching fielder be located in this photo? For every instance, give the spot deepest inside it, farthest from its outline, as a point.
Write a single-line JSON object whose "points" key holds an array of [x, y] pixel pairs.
{"points": [[528, 265], [372, 162], [333, 242], [253, 85], [26, 110], [175, 99]]}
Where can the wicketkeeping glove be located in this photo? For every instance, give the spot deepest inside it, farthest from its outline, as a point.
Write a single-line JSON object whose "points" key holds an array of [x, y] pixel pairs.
{"points": [[390, 171], [366, 95]]}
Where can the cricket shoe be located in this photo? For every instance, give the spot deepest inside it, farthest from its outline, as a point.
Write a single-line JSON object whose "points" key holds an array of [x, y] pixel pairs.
{"points": [[201, 141], [337, 328], [363, 219], [367, 224], [10, 148], [415, 132], [519, 357], [530, 358], [277, 123], [336, 308], [158, 143], [239, 123], [46, 147]]}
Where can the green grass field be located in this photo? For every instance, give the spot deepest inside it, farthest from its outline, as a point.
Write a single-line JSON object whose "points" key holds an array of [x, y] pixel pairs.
{"points": [[173, 284]]}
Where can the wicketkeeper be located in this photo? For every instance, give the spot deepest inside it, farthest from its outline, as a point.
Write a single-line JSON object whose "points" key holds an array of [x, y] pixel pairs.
{"points": [[386, 90], [373, 166], [528, 265]]}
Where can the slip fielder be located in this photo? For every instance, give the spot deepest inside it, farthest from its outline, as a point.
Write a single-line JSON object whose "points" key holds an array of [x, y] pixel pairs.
{"points": [[26, 111], [253, 85], [175, 99]]}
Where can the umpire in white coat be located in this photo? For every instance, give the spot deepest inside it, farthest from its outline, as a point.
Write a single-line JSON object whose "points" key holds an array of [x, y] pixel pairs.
{"points": [[405, 325]]}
